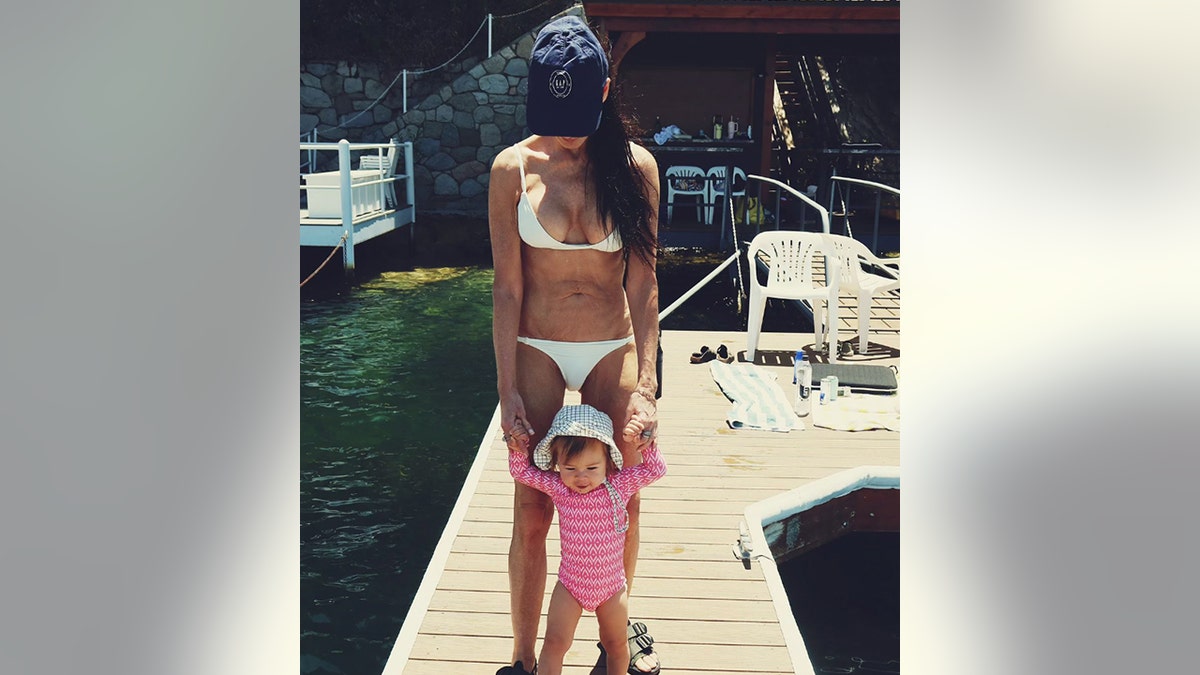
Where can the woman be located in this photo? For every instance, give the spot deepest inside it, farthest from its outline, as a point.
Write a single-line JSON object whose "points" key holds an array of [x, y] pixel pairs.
{"points": [[573, 215]]}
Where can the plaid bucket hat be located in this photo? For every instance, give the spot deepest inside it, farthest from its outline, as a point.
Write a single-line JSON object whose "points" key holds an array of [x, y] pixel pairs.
{"points": [[577, 420], [567, 70]]}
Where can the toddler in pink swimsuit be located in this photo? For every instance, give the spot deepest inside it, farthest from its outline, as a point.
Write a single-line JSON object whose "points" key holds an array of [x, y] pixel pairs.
{"points": [[579, 466]]}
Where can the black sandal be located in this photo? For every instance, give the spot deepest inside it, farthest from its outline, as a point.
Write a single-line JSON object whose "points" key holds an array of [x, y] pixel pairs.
{"points": [[704, 355], [517, 668], [640, 644]]}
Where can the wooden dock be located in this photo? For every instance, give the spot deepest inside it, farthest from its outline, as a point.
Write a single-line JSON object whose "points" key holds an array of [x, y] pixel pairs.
{"points": [[354, 203], [706, 611]]}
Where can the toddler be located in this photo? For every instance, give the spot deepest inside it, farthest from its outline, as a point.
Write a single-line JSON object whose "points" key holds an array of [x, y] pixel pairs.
{"points": [[579, 466]]}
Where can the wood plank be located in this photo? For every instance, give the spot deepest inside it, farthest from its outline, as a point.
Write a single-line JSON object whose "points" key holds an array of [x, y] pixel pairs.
{"points": [[648, 568], [682, 632], [452, 650], [745, 588], [708, 612]]}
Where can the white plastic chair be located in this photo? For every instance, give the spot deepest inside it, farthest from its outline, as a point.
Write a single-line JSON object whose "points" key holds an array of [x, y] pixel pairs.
{"points": [[677, 178], [792, 255], [386, 164], [716, 186], [852, 255]]}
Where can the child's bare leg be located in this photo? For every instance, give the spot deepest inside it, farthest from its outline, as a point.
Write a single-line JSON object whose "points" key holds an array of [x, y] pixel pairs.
{"points": [[561, 620], [612, 617]]}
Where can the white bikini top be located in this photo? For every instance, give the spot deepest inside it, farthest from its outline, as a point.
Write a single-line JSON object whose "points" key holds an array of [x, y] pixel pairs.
{"points": [[534, 234]]}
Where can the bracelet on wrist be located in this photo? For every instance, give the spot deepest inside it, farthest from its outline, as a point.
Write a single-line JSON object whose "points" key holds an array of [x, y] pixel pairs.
{"points": [[647, 396]]}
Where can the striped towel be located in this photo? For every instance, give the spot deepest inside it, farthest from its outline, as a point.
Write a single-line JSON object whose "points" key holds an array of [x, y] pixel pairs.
{"points": [[758, 400]]}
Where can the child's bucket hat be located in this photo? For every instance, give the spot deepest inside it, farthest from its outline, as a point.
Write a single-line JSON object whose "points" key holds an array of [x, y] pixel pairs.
{"points": [[577, 420]]}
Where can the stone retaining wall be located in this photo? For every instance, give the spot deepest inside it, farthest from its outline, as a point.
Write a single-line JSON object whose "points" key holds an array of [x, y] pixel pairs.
{"points": [[459, 117]]}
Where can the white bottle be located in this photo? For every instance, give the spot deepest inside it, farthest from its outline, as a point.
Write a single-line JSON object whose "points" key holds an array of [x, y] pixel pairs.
{"points": [[802, 378]]}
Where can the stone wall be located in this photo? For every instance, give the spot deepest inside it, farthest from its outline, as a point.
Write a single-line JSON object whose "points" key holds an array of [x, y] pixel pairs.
{"points": [[459, 117]]}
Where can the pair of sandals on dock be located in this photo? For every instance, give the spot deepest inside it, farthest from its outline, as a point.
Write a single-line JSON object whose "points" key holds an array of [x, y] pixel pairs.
{"points": [[640, 645], [705, 355]]}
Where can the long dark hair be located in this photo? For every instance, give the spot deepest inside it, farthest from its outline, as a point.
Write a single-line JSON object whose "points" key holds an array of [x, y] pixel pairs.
{"points": [[619, 183]]}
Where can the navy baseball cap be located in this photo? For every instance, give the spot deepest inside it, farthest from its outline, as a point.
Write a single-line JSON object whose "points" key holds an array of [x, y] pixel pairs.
{"points": [[567, 71]]}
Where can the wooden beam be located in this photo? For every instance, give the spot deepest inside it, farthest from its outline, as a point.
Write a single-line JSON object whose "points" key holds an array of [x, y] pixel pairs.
{"points": [[783, 26], [753, 10]]}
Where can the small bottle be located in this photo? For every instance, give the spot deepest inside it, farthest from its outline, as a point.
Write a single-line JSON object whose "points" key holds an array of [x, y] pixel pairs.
{"points": [[718, 127], [802, 378]]}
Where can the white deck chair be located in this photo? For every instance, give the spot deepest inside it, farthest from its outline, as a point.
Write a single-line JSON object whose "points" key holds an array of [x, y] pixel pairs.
{"points": [[791, 257], [852, 255], [683, 180], [716, 186], [386, 164]]}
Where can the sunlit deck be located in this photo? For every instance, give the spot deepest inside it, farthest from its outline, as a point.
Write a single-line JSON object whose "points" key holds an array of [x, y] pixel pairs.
{"points": [[706, 611]]}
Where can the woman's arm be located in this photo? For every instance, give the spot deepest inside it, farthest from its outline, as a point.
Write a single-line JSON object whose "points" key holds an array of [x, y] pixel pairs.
{"points": [[504, 189], [641, 289]]}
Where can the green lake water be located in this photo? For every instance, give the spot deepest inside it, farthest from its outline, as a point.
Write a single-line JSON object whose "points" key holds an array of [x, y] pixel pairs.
{"points": [[397, 389]]}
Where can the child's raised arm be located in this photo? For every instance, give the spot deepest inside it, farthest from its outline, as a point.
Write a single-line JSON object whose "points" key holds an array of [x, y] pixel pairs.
{"points": [[525, 472], [633, 478]]}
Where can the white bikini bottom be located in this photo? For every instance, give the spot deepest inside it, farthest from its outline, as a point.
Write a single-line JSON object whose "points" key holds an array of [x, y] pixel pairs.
{"points": [[576, 359]]}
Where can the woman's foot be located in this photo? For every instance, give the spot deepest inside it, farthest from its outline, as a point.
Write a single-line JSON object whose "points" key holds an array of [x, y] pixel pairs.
{"points": [[643, 660], [517, 668]]}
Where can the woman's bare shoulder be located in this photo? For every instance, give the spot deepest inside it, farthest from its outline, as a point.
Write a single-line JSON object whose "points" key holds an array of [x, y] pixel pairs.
{"points": [[644, 159], [507, 160]]}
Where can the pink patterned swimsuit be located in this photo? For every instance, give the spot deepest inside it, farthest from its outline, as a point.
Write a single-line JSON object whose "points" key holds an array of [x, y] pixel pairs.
{"points": [[591, 526]]}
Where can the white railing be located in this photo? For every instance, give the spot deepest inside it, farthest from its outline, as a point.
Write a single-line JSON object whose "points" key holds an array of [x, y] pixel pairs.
{"points": [[384, 181], [737, 250], [699, 284], [360, 210], [840, 186], [805, 199]]}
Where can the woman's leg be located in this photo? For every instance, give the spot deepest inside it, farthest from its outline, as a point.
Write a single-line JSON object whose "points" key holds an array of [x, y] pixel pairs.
{"points": [[541, 388], [608, 388], [532, 513], [561, 621]]}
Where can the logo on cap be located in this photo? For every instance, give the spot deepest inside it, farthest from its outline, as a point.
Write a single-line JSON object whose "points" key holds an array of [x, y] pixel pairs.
{"points": [[560, 84]]}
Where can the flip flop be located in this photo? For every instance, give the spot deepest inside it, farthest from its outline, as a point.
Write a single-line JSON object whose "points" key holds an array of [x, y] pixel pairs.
{"points": [[704, 355], [723, 355]]}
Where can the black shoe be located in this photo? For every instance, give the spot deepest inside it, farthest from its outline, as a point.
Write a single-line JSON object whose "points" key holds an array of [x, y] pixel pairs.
{"points": [[517, 668]]}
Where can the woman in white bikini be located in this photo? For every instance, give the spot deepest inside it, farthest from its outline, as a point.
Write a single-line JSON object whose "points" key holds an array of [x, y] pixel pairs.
{"points": [[573, 215]]}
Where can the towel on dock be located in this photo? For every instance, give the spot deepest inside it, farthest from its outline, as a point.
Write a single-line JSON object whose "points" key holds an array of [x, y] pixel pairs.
{"points": [[758, 400], [857, 412]]}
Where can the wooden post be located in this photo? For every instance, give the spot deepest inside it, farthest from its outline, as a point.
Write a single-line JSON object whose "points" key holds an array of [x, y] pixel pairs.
{"points": [[410, 192], [347, 206], [762, 132]]}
